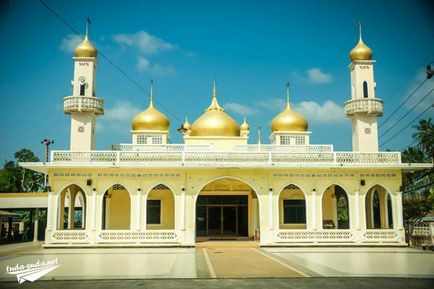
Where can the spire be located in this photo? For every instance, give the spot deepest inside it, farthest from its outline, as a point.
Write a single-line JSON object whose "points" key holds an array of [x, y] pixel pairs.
{"points": [[151, 101], [214, 103], [87, 27], [259, 135], [360, 30], [287, 95], [214, 91]]}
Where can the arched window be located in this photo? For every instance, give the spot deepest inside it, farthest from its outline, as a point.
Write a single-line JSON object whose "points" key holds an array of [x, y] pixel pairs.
{"points": [[82, 88], [365, 89]]}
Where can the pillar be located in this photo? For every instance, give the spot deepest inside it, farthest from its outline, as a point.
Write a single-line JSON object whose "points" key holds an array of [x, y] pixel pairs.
{"points": [[138, 208], [36, 225], [182, 209], [94, 210]]}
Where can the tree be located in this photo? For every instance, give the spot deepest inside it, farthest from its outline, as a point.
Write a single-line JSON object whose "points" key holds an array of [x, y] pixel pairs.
{"points": [[14, 178], [425, 137]]}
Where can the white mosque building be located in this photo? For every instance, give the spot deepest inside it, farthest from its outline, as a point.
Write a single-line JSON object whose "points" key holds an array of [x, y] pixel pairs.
{"points": [[216, 185]]}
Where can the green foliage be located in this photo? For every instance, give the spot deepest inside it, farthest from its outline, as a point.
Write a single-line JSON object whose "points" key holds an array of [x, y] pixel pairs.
{"points": [[418, 188], [14, 178]]}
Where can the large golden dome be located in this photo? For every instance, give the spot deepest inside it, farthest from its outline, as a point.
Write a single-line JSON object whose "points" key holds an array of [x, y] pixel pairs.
{"points": [[361, 51], [85, 49], [289, 120], [150, 119], [215, 122]]}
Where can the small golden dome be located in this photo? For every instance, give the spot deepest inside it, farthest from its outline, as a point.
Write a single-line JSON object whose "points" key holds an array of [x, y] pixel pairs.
{"points": [[361, 51], [150, 118], [215, 122], [288, 120], [186, 125], [244, 125], [85, 49]]}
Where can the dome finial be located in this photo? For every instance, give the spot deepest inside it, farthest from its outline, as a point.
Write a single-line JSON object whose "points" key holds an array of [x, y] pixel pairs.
{"points": [[259, 135], [87, 26], [287, 95], [151, 100], [214, 90], [359, 24], [214, 103]]}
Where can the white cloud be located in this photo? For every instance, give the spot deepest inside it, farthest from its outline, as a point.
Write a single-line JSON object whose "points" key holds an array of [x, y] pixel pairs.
{"points": [[146, 43], [70, 42], [273, 104], [329, 112], [315, 75], [240, 109], [143, 64], [118, 117]]}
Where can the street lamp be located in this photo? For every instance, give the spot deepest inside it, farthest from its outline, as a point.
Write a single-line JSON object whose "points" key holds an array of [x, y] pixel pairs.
{"points": [[47, 143]]}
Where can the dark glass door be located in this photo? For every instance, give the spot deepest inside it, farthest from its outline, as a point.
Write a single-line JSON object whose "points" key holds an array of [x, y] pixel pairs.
{"points": [[230, 221], [214, 221]]}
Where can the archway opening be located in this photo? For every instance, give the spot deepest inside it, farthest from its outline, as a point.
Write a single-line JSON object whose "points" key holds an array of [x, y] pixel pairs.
{"points": [[160, 209], [378, 209], [227, 208], [116, 208], [292, 208], [72, 208], [335, 208]]}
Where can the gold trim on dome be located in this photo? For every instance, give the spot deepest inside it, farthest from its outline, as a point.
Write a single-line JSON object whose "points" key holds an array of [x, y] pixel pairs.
{"points": [[361, 51], [214, 121], [288, 120], [150, 119]]}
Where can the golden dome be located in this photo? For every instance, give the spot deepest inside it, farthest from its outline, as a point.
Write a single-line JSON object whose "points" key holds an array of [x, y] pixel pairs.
{"points": [[289, 120], [150, 118], [186, 125], [361, 51], [245, 125], [215, 122], [85, 49]]}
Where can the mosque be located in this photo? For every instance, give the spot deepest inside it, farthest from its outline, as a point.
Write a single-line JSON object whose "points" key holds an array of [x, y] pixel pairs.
{"points": [[218, 186]]}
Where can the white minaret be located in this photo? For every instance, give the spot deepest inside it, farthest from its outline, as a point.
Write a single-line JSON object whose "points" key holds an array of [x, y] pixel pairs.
{"points": [[363, 108], [83, 105]]}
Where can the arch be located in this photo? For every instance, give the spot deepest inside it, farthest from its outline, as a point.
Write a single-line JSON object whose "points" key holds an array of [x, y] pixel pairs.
{"points": [[71, 214], [335, 207], [378, 208], [116, 208], [160, 208], [232, 212], [292, 207], [365, 89]]}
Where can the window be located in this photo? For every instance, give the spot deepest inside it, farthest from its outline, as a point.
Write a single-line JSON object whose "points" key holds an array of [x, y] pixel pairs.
{"points": [[149, 139], [294, 211], [82, 88], [285, 140], [153, 212], [299, 140], [292, 140], [365, 89], [141, 139]]}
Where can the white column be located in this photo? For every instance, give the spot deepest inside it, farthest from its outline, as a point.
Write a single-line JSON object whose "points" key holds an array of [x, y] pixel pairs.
{"points": [[145, 212], [183, 209], [50, 211], [107, 212], [36, 226], [357, 209], [313, 209], [93, 211], [270, 208], [399, 213], [138, 213], [70, 209]]}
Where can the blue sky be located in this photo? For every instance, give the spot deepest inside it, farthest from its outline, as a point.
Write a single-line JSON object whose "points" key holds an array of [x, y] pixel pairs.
{"points": [[251, 47]]}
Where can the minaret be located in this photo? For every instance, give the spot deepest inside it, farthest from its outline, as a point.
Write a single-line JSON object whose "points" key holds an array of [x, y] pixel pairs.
{"points": [[83, 105], [363, 108]]}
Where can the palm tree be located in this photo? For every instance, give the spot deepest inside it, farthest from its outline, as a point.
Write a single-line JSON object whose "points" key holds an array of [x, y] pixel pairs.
{"points": [[425, 136]]}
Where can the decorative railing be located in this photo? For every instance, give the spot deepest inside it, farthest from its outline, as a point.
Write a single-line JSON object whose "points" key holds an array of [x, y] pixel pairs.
{"points": [[380, 236], [285, 148], [83, 104], [159, 236], [364, 105], [300, 236], [69, 236], [161, 147], [238, 159]]}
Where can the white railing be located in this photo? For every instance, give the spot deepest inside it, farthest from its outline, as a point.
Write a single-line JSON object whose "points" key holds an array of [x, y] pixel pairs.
{"points": [[83, 103], [190, 158], [69, 236], [161, 147], [300, 236], [364, 105], [160, 236], [386, 235], [285, 148]]}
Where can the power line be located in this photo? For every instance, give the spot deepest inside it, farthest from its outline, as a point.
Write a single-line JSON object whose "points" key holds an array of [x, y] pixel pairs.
{"points": [[422, 99], [430, 106], [411, 94], [134, 82]]}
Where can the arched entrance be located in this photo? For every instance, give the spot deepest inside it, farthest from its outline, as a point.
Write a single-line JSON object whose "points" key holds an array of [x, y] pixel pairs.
{"points": [[72, 208], [160, 208], [378, 209], [292, 208], [116, 208], [226, 208], [335, 208]]}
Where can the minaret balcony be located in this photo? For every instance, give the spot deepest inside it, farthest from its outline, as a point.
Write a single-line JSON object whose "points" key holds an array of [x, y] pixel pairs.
{"points": [[83, 104], [370, 106]]}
